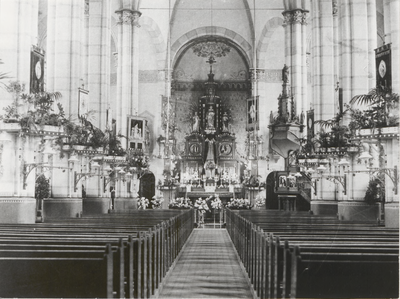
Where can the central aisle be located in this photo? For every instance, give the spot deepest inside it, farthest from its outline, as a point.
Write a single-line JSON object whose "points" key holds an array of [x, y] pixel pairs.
{"points": [[207, 268]]}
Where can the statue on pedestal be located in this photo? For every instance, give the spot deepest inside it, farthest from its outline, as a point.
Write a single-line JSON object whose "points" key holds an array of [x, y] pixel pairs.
{"points": [[285, 74], [210, 119], [196, 123], [225, 123]]}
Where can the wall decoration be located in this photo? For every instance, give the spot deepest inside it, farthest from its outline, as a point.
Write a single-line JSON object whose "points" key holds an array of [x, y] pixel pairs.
{"points": [[383, 61], [252, 113], [37, 70], [83, 101]]}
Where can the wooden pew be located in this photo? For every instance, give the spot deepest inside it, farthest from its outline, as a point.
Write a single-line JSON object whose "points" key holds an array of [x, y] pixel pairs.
{"points": [[261, 245], [144, 252]]}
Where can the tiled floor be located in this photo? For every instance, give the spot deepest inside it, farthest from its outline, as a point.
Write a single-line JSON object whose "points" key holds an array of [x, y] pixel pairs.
{"points": [[207, 268]]}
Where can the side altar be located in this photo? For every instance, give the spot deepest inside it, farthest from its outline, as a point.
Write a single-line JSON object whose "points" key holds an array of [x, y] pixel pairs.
{"points": [[209, 163]]}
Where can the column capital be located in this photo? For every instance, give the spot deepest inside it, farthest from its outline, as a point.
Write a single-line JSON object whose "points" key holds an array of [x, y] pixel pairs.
{"points": [[256, 74], [128, 16], [297, 16]]}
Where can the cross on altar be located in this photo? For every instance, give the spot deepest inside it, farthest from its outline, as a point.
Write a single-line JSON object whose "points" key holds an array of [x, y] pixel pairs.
{"points": [[211, 61]]}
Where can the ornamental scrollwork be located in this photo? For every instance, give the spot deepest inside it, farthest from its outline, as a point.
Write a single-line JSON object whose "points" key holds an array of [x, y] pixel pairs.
{"points": [[211, 49], [129, 17]]}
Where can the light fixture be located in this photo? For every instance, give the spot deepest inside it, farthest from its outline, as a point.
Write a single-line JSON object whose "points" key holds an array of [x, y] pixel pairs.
{"points": [[107, 168], [73, 159], [321, 168], [343, 162], [310, 170], [365, 156], [121, 172], [298, 175], [95, 164]]}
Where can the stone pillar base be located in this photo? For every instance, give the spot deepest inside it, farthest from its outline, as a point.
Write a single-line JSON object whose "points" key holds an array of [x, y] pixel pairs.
{"points": [[392, 215], [18, 210], [358, 211], [62, 208], [324, 207]]}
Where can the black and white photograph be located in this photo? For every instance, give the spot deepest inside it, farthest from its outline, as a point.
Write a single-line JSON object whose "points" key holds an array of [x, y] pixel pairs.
{"points": [[199, 149]]}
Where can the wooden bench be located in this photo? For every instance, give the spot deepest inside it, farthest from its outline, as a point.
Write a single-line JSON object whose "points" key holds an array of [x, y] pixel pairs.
{"points": [[141, 255], [279, 249]]}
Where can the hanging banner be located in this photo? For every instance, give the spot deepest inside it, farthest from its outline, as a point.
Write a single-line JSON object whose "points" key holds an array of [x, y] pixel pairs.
{"points": [[383, 61], [37, 70]]}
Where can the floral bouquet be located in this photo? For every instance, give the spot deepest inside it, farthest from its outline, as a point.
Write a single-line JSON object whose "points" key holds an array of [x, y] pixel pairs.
{"points": [[180, 203], [157, 201], [142, 203], [201, 205], [260, 200], [216, 203], [239, 204]]}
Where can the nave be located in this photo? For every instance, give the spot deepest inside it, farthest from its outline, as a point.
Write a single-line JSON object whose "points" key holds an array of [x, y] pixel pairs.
{"points": [[159, 254], [208, 267]]}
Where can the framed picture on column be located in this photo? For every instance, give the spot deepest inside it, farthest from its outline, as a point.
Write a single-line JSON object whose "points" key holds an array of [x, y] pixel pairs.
{"points": [[83, 101], [252, 114], [37, 70]]}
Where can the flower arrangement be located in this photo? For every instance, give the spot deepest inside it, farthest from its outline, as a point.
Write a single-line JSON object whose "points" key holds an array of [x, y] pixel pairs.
{"points": [[157, 201], [180, 203], [260, 201], [239, 204], [201, 205], [142, 203], [216, 203]]}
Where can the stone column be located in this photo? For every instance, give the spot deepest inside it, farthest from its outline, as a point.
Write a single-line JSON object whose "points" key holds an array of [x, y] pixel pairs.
{"points": [[391, 13], [18, 32], [128, 68], [99, 56], [65, 24], [295, 53], [372, 43]]}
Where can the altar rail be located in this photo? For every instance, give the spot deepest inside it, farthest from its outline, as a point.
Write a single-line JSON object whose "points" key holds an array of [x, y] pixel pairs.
{"points": [[298, 255], [116, 255]]}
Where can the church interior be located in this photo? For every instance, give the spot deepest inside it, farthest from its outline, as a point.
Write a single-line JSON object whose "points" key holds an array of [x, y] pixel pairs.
{"points": [[137, 128]]}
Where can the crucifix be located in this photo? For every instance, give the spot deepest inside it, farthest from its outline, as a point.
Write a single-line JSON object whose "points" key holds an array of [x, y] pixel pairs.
{"points": [[211, 61]]}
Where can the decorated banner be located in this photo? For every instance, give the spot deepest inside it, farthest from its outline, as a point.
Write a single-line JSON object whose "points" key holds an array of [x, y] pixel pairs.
{"points": [[383, 61], [83, 101], [37, 70]]}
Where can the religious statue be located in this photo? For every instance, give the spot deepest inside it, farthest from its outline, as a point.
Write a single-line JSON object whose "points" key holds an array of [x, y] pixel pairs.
{"points": [[252, 112], [210, 118], [196, 123], [285, 74], [225, 123]]}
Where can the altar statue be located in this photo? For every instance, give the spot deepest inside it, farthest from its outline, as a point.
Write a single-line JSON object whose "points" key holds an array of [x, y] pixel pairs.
{"points": [[196, 123], [210, 119], [225, 123], [285, 74]]}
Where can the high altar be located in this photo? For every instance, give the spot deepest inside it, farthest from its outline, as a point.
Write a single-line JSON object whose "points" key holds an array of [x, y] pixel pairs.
{"points": [[209, 162]]}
